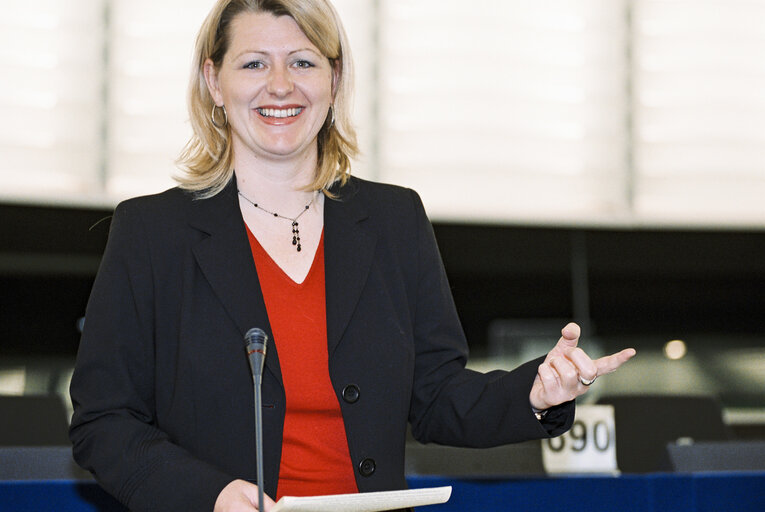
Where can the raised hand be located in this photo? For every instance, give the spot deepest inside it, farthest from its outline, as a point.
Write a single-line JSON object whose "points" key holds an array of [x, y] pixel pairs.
{"points": [[568, 371]]}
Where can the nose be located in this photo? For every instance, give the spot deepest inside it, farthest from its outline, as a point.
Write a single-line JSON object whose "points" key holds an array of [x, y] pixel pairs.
{"points": [[279, 81]]}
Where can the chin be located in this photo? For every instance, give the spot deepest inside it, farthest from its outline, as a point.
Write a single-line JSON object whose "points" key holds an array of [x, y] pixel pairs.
{"points": [[285, 149]]}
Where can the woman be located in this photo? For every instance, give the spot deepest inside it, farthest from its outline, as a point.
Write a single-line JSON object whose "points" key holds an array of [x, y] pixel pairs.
{"points": [[268, 230]]}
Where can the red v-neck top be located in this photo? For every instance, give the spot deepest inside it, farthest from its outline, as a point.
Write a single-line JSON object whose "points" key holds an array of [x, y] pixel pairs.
{"points": [[315, 458]]}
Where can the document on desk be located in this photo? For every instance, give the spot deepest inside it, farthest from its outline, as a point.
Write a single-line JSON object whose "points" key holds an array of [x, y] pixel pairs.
{"points": [[365, 501]]}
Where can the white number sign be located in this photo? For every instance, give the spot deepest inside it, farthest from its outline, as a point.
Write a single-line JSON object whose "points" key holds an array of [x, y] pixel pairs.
{"points": [[589, 447]]}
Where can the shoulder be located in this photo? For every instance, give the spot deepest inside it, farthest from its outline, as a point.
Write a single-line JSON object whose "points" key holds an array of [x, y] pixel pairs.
{"points": [[164, 203], [393, 214], [159, 216], [165, 208], [381, 198], [366, 188]]}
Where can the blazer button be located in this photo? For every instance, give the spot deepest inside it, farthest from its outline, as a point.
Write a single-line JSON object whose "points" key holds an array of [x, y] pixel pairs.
{"points": [[351, 393], [367, 467]]}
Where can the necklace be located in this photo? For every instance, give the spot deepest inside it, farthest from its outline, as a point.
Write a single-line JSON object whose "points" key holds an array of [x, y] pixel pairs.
{"points": [[295, 230]]}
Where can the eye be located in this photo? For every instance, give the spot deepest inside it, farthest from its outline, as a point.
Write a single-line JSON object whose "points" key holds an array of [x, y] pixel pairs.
{"points": [[255, 64], [303, 64]]}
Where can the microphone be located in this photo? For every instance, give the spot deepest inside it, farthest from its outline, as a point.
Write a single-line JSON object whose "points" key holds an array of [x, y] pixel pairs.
{"points": [[255, 341]]}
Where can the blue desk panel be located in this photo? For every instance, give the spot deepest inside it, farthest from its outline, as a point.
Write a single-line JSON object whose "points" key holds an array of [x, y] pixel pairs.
{"points": [[55, 495], [700, 492]]}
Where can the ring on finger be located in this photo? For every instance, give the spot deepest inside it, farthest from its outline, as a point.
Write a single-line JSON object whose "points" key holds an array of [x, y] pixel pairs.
{"points": [[587, 382]]}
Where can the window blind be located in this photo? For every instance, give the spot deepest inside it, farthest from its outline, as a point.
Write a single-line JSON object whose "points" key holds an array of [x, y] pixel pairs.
{"points": [[700, 110], [150, 53], [358, 17], [505, 110], [51, 90]]}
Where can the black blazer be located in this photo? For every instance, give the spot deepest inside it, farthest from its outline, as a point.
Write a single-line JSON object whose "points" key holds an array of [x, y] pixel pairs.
{"points": [[162, 390]]}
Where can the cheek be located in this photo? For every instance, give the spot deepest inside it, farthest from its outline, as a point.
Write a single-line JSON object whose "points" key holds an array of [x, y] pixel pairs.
{"points": [[238, 97], [321, 103], [321, 89], [236, 92]]}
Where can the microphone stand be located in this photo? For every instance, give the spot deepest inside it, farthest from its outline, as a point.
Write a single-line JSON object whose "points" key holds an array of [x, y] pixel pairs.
{"points": [[255, 341], [259, 438]]}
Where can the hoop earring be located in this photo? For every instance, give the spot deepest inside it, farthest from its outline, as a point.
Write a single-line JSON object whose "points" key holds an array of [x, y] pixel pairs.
{"points": [[225, 116]]}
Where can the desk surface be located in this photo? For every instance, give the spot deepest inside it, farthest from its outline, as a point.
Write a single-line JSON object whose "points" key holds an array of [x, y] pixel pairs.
{"points": [[698, 492]]}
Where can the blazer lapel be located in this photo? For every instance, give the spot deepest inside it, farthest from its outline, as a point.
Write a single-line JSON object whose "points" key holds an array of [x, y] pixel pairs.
{"points": [[348, 254], [225, 258]]}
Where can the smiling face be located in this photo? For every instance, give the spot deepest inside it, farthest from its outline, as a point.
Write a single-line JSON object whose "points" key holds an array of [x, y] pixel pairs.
{"points": [[276, 87]]}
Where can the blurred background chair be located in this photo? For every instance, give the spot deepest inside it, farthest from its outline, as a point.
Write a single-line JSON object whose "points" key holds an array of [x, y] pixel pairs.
{"points": [[646, 424], [33, 420], [448, 461], [717, 456]]}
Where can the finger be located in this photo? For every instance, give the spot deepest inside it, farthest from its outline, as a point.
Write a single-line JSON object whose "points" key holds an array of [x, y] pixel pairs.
{"points": [[585, 366], [608, 364], [568, 375], [252, 494], [268, 503], [548, 377], [569, 336], [550, 386]]}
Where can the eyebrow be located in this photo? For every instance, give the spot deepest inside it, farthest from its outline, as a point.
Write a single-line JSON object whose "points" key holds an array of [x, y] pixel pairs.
{"points": [[263, 52]]}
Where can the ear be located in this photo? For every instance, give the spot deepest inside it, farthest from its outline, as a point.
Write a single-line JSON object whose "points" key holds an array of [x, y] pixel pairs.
{"points": [[335, 77], [211, 78]]}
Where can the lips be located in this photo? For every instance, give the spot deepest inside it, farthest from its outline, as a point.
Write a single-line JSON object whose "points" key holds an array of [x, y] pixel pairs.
{"points": [[279, 112], [279, 115]]}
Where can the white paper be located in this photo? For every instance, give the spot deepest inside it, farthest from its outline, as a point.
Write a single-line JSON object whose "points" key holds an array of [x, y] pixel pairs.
{"points": [[365, 501]]}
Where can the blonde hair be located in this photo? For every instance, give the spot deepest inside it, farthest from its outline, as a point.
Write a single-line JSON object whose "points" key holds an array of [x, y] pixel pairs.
{"points": [[206, 161]]}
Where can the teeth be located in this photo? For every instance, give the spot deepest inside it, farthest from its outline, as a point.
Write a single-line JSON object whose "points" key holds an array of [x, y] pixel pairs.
{"points": [[278, 112]]}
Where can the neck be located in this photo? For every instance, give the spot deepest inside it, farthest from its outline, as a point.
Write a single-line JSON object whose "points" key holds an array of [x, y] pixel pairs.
{"points": [[277, 185]]}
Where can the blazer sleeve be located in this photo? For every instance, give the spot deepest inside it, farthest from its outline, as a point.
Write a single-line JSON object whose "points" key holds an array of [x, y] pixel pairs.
{"points": [[453, 405], [114, 428]]}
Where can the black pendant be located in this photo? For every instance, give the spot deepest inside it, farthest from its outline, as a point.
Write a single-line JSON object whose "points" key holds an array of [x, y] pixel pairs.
{"points": [[296, 236]]}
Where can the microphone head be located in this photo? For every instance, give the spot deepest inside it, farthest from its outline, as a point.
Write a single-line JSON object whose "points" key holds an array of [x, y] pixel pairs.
{"points": [[255, 335], [255, 345]]}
